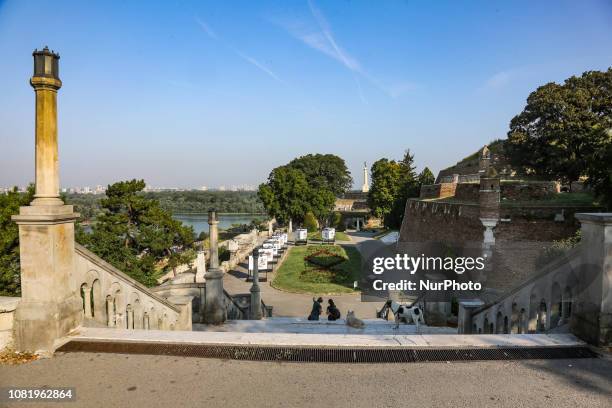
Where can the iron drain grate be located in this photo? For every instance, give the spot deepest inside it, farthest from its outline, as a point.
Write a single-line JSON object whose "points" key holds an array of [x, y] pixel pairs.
{"points": [[328, 355]]}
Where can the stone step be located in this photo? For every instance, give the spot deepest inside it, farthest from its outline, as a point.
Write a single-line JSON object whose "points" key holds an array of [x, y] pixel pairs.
{"points": [[326, 340]]}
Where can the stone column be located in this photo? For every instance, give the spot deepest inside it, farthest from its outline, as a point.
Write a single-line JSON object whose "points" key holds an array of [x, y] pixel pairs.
{"points": [[290, 227], [591, 316], [87, 301], [214, 307], [255, 289], [51, 305], [200, 267]]}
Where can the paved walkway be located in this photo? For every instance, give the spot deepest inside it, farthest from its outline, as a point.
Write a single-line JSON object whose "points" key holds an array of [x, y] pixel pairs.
{"points": [[135, 381], [288, 304]]}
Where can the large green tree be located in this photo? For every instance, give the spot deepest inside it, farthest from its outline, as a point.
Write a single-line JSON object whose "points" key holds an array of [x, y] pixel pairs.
{"points": [[324, 171], [386, 176], [136, 235], [306, 184], [286, 195], [563, 127], [10, 272], [426, 177], [392, 184], [600, 174]]}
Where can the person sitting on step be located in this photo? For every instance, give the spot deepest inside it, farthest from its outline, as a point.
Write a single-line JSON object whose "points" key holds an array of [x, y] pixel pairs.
{"points": [[316, 309], [333, 313]]}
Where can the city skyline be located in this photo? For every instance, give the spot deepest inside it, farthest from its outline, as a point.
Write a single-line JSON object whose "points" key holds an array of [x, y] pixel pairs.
{"points": [[214, 94]]}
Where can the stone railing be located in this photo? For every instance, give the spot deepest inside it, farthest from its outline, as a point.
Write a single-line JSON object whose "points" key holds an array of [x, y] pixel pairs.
{"points": [[113, 299], [539, 304]]}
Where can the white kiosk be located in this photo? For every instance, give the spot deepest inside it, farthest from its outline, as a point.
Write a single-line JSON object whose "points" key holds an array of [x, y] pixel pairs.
{"points": [[328, 235], [301, 236]]}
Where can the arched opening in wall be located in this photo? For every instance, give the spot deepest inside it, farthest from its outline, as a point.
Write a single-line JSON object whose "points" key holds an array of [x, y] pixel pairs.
{"points": [[97, 302], [110, 311], [514, 319], [555, 305], [506, 328], [474, 328], [499, 320], [566, 310], [532, 324], [86, 300], [491, 328], [542, 315], [137, 313], [522, 322], [82, 292], [486, 325], [479, 330]]}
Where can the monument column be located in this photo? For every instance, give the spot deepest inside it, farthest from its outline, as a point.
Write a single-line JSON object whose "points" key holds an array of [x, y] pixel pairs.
{"points": [[255, 289], [214, 307], [51, 305]]}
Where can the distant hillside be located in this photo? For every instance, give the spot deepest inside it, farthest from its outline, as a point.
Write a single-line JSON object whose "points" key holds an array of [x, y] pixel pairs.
{"points": [[88, 205]]}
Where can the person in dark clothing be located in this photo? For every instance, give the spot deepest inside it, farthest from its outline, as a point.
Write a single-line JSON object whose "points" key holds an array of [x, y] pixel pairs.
{"points": [[333, 313], [316, 309]]}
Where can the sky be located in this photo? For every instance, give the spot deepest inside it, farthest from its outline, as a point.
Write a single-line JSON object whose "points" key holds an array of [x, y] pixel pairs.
{"points": [[186, 94]]}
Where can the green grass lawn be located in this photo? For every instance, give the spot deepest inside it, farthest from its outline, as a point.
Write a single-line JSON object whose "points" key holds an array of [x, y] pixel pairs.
{"points": [[319, 269], [340, 236]]}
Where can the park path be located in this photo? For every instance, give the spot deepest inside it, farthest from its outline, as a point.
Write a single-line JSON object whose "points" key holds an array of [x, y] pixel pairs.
{"points": [[288, 304]]}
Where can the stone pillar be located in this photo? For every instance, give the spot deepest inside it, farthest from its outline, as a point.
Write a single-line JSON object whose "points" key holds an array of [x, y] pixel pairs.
{"points": [[255, 289], [591, 316], [214, 307], [290, 227], [51, 305], [110, 312], [270, 228], [87, 301], [200, 267], [464, 318]]}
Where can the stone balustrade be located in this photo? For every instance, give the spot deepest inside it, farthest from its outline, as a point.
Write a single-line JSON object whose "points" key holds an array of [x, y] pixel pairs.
{"points": [[113, 299], [540, 304], [574, 289]]}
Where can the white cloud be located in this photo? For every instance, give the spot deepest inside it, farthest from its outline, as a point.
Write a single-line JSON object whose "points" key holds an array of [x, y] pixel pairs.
{"points": [[212, 34], [322, 39], [206, 29], [259, 65]]}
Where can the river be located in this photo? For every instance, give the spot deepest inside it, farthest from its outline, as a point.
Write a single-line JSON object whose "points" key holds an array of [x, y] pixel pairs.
{"points": [[199, 222]]}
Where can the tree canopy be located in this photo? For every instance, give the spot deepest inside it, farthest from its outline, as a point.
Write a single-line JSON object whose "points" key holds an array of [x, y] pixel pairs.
{"points": [[307, 184], [393, 182], [563, 127], [426, 177], [326, 171], [10, 271], [136, 235]]}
